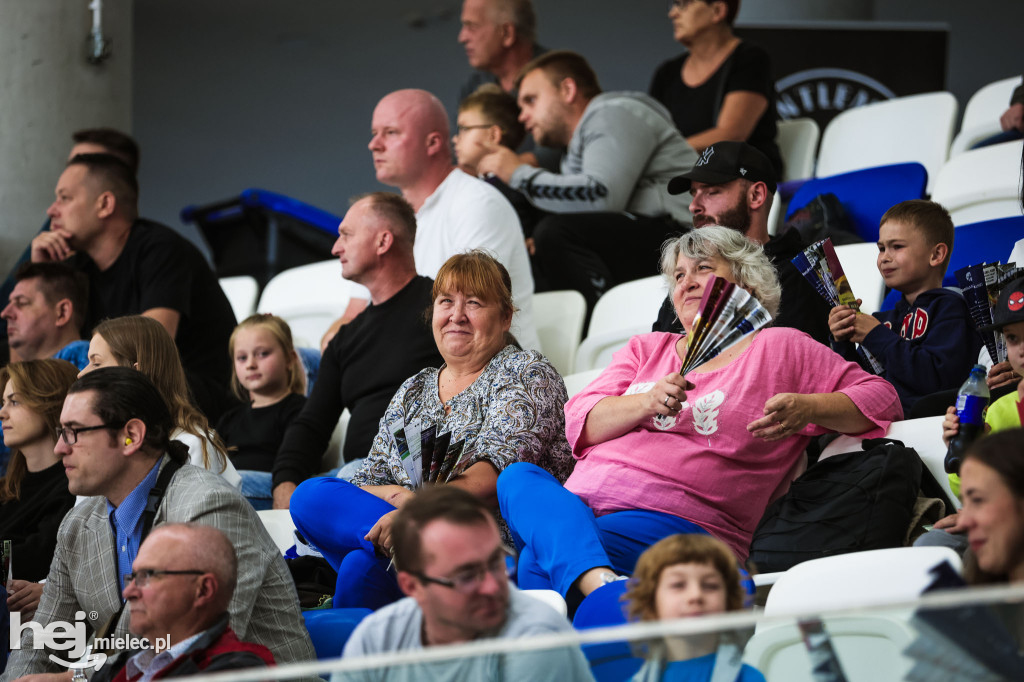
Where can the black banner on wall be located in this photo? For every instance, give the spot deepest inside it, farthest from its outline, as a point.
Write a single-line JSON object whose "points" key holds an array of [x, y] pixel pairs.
{"points": [[823, 69]]}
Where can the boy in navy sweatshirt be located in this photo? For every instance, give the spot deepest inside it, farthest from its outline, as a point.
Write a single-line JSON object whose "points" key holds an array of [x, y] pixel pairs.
{"points": [[927, 343]]}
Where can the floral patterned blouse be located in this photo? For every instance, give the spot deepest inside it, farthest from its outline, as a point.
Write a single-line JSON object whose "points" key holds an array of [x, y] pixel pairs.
{"points": [[513, 412]]}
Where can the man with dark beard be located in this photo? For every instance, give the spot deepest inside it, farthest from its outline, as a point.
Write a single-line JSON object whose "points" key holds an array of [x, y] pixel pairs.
{"points": [[732, 185]]}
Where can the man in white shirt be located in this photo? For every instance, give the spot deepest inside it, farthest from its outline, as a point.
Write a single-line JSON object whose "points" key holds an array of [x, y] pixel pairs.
{"points": [[454, 211]]}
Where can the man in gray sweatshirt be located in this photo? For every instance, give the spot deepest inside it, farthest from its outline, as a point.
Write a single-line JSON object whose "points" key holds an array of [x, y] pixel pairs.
{"points": [[610, 209]]}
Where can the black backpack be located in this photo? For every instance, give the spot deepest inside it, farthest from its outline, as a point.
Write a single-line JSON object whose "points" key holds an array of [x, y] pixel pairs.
{"points": [[845, 503]]}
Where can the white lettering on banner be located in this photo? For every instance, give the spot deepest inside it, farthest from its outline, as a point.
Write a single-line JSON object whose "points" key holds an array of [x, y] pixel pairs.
{"points": [[72, 637], [818, 90]]}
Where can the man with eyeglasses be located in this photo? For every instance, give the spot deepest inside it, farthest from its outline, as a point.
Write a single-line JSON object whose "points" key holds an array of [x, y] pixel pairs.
{"points": [[451, 564], [178, 594], [115, 447]]}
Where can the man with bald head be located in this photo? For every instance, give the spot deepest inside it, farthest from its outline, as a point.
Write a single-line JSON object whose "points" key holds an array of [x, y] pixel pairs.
{"points": [[455, 212], [178, 594]]}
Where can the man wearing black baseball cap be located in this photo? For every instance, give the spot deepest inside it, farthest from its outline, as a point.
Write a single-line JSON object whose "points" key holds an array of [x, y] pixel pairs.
{"points": [[732, 185]]}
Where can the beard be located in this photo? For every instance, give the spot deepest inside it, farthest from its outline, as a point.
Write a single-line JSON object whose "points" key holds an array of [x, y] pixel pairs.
{"points": [[736, 218]]}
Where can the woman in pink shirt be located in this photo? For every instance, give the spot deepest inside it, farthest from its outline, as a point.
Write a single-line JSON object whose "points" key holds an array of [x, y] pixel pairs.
{"points": [[658, 453]]}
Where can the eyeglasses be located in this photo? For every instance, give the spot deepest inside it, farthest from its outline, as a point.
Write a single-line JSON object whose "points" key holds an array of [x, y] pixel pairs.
{"points": [[142, 576], [460, 129], [681, 4], [468, 580], [70, 433]]}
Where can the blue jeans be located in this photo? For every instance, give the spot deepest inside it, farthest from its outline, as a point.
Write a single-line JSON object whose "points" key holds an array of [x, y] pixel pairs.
{"points": [[257, 487], [559, 538], [311, 363], [334, 516]]}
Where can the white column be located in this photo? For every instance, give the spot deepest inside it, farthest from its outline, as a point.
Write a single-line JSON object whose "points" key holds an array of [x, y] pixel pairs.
{"points": [[47, 91]]}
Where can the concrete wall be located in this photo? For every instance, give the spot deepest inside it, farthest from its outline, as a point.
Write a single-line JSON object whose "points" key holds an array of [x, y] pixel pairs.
{"points": [[263, 93], [47, 91]]}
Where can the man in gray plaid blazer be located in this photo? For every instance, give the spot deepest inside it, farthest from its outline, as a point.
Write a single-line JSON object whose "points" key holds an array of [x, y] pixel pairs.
{"points": [[114, 440]]}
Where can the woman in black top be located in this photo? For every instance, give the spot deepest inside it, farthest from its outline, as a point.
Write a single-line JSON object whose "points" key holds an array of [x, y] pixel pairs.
{"points": [[34, 494], [721, 88]]}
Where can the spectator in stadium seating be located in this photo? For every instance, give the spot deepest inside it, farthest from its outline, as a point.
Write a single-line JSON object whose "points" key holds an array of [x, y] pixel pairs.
{"points": [[658, 453], [43, 319], [137, 267], [721, 88], [684, 576], [1005, 413], [451, 565], [610, 207], [732, 185], [489, 405], [370, 357], [181, 583], [142, 343], [1011, 121], [45, 313], [499, 37], [489, 118], [34, 494], [927, 342], [270, 381], [454, 212], [116, 449], [87, 141], [992, 485]]}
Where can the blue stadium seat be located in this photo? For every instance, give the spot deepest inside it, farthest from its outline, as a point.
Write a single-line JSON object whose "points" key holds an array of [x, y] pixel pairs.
{"points": [[609, 661], [329, 629], [985, 242], [866, 194]]}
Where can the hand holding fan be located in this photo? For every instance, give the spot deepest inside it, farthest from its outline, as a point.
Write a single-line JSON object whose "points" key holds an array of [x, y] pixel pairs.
{"points": [[727, 313]]}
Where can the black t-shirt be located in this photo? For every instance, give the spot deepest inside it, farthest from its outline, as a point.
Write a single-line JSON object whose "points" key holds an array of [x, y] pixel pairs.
{"points": [[801, 307], [361, 370], [31, 521], [159, 268], [694, 110], [257, 432]]}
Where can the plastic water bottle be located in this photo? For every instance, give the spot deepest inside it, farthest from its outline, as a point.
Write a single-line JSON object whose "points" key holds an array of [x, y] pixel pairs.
{"points": [[971, 403]]}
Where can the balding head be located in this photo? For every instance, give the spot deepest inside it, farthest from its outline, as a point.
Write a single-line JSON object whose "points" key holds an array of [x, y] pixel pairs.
{"points": [[409, 137], [185, 577]]}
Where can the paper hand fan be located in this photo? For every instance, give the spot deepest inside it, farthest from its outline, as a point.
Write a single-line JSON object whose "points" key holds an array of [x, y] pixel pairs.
{"points": [[727, 313]]}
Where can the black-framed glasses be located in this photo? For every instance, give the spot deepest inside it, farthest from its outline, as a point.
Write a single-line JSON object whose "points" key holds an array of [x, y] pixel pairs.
{"points": [[69, 434], [460, 129], [142, 576], [468, 580]]}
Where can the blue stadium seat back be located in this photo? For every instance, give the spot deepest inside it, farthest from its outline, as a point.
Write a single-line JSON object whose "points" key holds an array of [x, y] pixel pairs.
{"points": [[602, 608], [612, 661], [866, 194], [987, 241], [329, 629], [609, 661]]}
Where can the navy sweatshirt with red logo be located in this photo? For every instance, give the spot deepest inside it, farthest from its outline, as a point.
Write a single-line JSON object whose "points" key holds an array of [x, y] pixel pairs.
{"points": [[925, 348]]}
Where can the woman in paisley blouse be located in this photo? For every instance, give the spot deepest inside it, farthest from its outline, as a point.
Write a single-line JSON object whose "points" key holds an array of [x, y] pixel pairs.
{"points": [[658, 454], [499, 404]]}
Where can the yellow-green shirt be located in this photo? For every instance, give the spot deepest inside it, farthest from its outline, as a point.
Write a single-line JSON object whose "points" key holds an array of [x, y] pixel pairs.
{"points": [[1001, 415]]}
